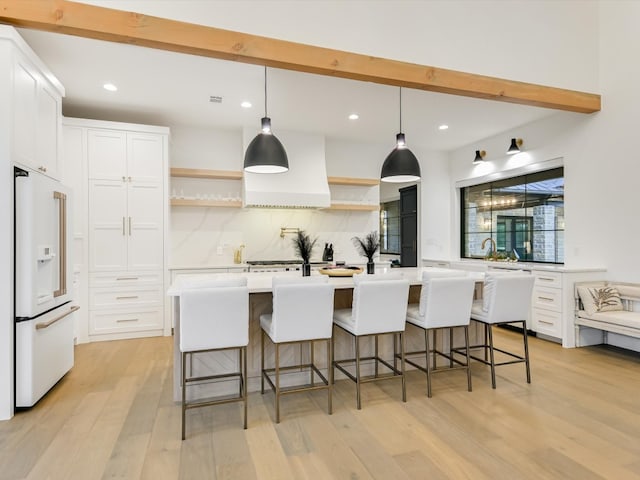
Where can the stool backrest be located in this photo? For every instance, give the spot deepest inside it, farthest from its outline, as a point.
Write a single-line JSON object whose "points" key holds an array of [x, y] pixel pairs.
{"points": [[507, 297], [215, 316], [302, 308], [447, 301], [427, 275], [379, 303]]}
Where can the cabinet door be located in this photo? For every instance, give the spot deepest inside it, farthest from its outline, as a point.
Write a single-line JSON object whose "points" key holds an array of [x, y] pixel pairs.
{"points": [[25, 91], [144, 226], [145, 157], [107, 225], [48, 133], [107, 154]]}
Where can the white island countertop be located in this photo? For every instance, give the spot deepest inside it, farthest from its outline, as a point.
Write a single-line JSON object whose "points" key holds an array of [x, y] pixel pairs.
{"points": [[260, 282]]}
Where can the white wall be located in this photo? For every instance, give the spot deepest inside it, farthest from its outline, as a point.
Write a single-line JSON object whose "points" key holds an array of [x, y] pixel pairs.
{"points": [[601, 166]]}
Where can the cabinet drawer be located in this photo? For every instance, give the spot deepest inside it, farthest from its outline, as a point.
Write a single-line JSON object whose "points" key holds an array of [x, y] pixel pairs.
{"points": [[124, 279], [548, 279], [124, 297], [547, 298], [109, 321], [547, 322]]}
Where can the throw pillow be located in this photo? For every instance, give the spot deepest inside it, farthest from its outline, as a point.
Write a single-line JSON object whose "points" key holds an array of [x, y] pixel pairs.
{"points": [[600, 299]]}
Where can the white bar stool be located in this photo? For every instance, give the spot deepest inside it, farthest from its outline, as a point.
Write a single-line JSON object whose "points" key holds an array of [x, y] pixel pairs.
{"points": [[379, 307], [213, 317], [302, 312], [445, 302], [506, 300]]}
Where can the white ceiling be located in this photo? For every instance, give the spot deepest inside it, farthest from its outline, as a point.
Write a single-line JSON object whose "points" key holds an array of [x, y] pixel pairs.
{"points": [[166, 88]]}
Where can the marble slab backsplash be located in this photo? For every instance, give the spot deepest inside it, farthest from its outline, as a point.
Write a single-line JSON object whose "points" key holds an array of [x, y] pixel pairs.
{"points": [[208, 236]]}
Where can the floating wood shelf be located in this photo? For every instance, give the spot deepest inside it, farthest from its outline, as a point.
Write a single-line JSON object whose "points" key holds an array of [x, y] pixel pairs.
{"points": [[184, 202], [203, 173], [354, 207], [356, 182]]}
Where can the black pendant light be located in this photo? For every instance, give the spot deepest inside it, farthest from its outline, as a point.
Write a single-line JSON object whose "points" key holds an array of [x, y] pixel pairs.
{"points": [[401, 165], [265, 153]]}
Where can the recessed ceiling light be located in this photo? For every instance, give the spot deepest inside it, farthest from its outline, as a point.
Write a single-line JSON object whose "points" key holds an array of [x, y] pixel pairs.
{"points": [[443, 127], [354, 116], [110, 86], [246, 104]]}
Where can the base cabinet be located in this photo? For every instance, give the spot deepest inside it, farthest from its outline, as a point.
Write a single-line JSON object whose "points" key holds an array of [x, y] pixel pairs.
{"points": [[125, 233]]}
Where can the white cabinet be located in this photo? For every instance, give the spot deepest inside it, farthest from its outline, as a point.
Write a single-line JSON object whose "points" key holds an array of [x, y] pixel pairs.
{"points": [[125, 225], [36, 110], [546, 304], [126, 232]]}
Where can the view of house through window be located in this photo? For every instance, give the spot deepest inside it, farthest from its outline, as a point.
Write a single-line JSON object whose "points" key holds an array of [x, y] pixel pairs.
{"points": [[515, 218], [390, 227]]}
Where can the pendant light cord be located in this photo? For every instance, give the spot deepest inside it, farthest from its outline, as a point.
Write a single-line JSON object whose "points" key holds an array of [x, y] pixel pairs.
{"points": [[400, 109], [265, 91]]}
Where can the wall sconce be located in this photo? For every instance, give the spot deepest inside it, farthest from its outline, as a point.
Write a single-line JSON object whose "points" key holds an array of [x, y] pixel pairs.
{"points": [[516, 143], [480, 154]]}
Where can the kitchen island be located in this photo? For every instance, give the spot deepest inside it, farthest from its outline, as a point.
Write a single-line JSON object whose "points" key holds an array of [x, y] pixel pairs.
{"points": [[260, 298]]}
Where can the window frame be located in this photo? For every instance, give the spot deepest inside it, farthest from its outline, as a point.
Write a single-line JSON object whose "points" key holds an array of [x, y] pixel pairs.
{"points": [[524, 177]]}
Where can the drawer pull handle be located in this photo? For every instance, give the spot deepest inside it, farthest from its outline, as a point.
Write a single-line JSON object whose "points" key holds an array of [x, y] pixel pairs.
{"points": [[546, 279], [543, 321], [127, 278], [546, 298], [122, 320], [127, 298]]}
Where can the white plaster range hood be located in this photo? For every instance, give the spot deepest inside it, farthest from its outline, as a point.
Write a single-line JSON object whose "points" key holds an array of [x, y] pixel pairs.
{"points": [[303, 186]]}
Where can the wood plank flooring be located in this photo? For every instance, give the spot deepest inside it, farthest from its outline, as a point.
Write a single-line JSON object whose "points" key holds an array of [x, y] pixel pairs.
{"points": [[113, 416]]}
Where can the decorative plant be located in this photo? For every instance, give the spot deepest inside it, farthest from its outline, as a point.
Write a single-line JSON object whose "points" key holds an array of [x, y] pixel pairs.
{"points": [[367, 246], [303, 245]]}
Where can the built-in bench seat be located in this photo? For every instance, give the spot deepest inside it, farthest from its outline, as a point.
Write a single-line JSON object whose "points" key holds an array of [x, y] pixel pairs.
{"points": [[617, 315]]}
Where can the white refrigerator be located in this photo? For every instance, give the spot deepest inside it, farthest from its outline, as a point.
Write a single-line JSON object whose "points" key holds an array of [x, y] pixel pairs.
{"points": [[44, 338]]}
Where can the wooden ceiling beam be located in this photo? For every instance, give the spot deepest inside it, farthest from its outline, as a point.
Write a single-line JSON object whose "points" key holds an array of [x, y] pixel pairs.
{"points": [[112, 25]]}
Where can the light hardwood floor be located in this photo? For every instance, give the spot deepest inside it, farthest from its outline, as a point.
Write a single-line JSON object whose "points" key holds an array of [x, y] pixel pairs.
{"points": [[113, 416]]}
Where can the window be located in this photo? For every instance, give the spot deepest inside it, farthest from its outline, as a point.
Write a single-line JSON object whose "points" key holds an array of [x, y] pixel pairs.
{"points": [[520, 217], [390, 227]]}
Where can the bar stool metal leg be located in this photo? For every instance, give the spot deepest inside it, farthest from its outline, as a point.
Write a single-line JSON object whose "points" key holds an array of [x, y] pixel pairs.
{"points": [[450, 347], [466, 343], [491, 355], [526, 350], [184, 391], [404, 383], [358, 403], [311, 355], [376, 354], [262, 361], [426, 339], [330, 375], [277, 373], [244, 383]]}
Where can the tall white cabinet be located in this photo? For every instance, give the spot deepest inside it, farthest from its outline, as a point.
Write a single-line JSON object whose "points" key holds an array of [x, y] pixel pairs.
{"points": [[124, 241], [35, 106]]}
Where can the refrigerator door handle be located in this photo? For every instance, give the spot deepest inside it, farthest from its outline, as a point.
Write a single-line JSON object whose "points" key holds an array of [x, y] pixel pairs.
{"points": [[40, 326], [62, 243]]}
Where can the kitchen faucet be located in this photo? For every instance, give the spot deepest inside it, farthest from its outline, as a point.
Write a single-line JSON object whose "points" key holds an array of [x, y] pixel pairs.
{"points": [[493, 252]]}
